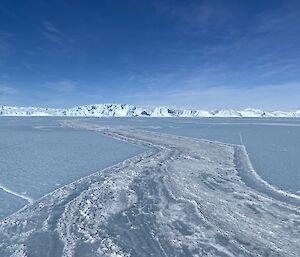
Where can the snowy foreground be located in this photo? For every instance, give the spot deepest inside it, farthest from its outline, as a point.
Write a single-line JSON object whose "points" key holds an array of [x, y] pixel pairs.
{"points": [[181, 197], [124, 110]]}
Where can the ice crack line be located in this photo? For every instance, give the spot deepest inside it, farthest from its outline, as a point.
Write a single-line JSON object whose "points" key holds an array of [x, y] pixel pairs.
{"points": [[241, 138], [24, 197]]}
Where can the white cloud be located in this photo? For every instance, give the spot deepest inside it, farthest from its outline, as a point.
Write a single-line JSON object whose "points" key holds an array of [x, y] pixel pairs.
{"points": [[8, 90], [50, 27], [62, 86], [52, 37], [51, 32]]}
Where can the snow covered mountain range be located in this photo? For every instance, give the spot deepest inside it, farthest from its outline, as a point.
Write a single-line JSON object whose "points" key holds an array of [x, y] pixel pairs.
{"points": [[124, 110]]}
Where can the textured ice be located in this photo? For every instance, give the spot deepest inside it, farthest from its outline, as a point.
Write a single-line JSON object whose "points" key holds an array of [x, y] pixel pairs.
{"points": [[182, 197], [272, 144]]}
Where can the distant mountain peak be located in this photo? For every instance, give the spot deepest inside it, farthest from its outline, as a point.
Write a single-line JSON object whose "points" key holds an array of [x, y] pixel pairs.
{"points": [[125, 110]]}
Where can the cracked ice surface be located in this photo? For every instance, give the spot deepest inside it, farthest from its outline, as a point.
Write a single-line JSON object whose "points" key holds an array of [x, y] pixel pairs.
{"points": [[182, 197]]}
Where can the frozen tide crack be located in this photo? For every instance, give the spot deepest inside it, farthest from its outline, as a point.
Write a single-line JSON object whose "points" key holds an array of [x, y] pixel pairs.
{"points": [[24, 197]]}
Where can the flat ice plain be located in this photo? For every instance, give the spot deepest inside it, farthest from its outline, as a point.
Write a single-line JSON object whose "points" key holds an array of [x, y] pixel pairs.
{"points": [[181, 197], [37, 156]]}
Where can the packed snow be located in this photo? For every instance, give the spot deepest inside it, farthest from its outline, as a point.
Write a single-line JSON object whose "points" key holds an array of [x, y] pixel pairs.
{"points": [[124, 110]]}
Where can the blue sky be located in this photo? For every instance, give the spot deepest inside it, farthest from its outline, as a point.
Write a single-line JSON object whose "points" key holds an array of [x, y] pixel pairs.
{"points": [[204, 54]]}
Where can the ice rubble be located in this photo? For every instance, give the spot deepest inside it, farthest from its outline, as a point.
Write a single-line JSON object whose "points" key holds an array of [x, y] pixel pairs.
{"points": [[124, 110], [181, 197]]}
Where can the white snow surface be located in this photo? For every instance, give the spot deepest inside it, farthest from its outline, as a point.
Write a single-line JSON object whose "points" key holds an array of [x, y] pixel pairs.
{"points": [[125, 110]]}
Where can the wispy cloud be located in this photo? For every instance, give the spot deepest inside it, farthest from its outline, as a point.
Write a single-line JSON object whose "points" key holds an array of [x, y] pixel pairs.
{"points": [[270, 97], [61, 86], [52, 37], [50, 27], [59, 41], [5, 47], [194, 16], [51, 32], [8, 90]]}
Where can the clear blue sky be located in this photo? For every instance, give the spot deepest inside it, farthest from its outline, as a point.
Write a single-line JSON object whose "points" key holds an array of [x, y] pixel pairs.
{"points": [[206, 54]]}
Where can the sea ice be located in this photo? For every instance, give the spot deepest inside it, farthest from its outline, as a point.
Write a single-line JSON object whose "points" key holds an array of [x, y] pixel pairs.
{"points": [[182, 197]]}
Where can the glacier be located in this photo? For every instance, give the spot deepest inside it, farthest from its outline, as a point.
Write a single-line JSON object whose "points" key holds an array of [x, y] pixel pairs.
{"points": [[181, 197], [125, 110]]}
